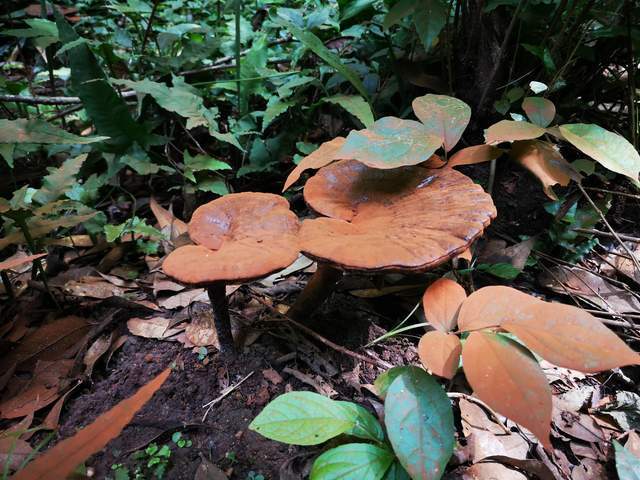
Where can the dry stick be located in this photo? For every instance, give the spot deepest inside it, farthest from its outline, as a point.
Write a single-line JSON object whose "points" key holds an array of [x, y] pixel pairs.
{"points": [[145, 39], [631, 76], [483, 405], [613, 192], [600, 233], [613, 232], [46, 100]]}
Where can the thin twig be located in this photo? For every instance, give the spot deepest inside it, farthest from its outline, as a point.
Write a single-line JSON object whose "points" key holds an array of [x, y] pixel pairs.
{"points": [[152, 16], [600, 233], [613, 192], [47, 100], [223, 394]]}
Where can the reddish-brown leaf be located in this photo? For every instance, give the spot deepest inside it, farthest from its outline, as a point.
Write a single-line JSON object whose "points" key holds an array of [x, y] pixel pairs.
{"points": [[475, 154], [323, 156], [440, 353], [510, 130], [491, 306], [539, 110], [569, 337], [508, 379], [441, 303], [166, 220], [63, 459], [16, 262]]}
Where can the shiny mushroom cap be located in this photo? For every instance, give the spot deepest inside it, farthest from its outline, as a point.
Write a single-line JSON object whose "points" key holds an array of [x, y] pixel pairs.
{"points": [[405, 219], [239, 237]]}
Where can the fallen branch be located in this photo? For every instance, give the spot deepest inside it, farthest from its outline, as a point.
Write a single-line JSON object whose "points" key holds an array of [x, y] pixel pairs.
{"points": [[600, 233]]}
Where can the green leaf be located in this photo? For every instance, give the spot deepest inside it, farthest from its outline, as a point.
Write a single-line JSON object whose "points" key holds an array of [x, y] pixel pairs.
{"points": [[390, 143], [201, 163], [609, 149], [302, 418], [40, 131], [430, 18], [314, 44], [44, 32], [355, 105], [396, 472], [627, 464], [353, 8], [59, 180], [103, 105], [402, 9], [213, 185], [139, 161], [135, 226], [500, 270], [539, 110], [353, 461], [419, 422], [274, 110], [6, 152], [384, 380], [444, 116], [366, 426]]}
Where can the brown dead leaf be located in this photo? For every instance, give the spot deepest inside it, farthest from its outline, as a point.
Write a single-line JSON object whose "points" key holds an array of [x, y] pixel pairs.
{"points": [[13, 450], [273, 376], [208, 471], [491, 471], [589, 470], [52, 420], [156, 327], [167, 221], [118, 343], [98, 348], [317, 382], [184, 299], [93, 287], [201, 335], [19, 259], [577, 425], [496, 251], [162, 283]]}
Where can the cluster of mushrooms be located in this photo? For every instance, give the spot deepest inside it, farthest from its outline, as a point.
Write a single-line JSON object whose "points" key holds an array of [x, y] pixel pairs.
{"points": [[406, 219]]}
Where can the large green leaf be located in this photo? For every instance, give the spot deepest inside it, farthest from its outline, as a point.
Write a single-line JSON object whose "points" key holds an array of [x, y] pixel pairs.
{"points": [[44, 32], [627, 464], [104, 106], [59, 180], [366, 425], [396, 472], [401, 9], [609, 149], [40, 131], [390, 143], [202, 163], [353, 461], [356, 106], [314, 44], [303, 418], [274, 110], [430, 18], [419, 423], [384, 381], [444, 116]]}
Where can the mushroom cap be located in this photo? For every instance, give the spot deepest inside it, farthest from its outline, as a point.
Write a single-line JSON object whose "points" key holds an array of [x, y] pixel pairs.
{"points": [[406, 219], [239, 237]]}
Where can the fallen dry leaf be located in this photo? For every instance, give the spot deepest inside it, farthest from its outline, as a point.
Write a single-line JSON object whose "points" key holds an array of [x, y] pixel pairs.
{"points": [[167, 221], [14, 451], [61, 460], [184, 299], [273, 376], [491, 471], [98, 348], [93, 287], [156, 327], [19, 259]]}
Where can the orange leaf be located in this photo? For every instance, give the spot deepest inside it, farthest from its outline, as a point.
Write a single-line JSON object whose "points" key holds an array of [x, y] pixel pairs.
{"points": [[166, 219], [475, 154], [16, 262], [62, 460], [323, 156], [509, 131], [508, 379], [441, 303], [569, 337], [491, 306], [440, 353]]}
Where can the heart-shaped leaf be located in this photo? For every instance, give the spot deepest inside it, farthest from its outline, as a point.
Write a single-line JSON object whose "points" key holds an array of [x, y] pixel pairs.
{"points": [[539, 110], [302, 418], [419, 423], [441, 303], [609, 149], [353, 461], [508, 379], [444, 116], [390, 143], [569, 337], [440, 353], [510, 131]]}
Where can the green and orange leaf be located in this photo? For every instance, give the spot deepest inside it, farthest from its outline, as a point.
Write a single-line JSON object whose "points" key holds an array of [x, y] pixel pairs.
{"points": [[510, 131], [323, 156], [444, 116], [539, 110]]}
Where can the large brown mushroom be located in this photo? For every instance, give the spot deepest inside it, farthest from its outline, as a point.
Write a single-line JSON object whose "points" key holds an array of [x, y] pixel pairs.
{"points": [[409, 219], [239, 237]]}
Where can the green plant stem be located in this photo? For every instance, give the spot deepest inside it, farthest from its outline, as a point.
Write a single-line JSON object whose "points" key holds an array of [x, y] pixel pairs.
{"points": [[238, 54], [49, 53], [147, 31]]}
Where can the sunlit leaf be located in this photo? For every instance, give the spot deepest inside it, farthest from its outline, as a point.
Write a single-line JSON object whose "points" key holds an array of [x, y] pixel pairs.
{"points": [[493, 305], [508, 379], [40, 131], [537, 87], [385, 379], [509, 131], [441, 302], [440, 353], [419, 422], [444, 116], [390, 143], [539, 110], [302, 418], [627, 464], [609, 149], [545, 162], [61, 460], [353, 461], [323, 156], [355, 105], [569, 337], [475, 154], [366, 425]]}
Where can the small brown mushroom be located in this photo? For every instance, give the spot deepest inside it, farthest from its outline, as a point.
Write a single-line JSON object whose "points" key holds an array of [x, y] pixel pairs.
{"points": [[409, 219], [240, 237]]}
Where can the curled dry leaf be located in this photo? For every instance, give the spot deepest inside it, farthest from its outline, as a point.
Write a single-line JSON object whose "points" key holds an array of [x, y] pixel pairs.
{"points": [[323, 156], [540, 111], [98, 348], [156, 327], [62, 460], [440, 353], [490, 306], [441, 303], [475, 154], [508, 379], [167, 221], [510, 131], [569, 337]]}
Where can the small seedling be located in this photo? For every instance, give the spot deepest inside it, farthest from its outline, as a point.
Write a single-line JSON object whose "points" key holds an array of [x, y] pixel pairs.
{"points": [[254, 476], [202, 353]]}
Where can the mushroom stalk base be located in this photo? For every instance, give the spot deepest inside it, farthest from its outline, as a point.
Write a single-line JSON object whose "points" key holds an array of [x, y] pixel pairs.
{"points": [[221, 321], [315, 293]]}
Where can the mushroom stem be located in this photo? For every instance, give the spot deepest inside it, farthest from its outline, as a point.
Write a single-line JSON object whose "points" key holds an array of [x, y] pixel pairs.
{"points": [[315, 292], [221, 321]]}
